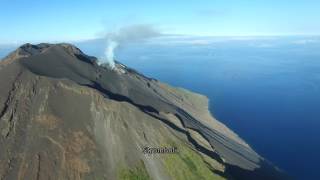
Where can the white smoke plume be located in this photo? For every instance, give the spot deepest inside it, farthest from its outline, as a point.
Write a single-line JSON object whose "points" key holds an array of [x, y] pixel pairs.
{"points": [[109, 53], [126, 35]]}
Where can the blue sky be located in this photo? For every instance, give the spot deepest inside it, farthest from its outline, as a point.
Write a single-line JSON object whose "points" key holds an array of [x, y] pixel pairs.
{"points": [[61, 20]]}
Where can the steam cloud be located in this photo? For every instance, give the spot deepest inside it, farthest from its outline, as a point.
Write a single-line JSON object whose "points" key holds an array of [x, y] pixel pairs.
{"points": [[126, 35], [109, 53]]}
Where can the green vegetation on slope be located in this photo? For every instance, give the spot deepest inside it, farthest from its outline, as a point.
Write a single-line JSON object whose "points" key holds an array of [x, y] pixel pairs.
{"points": [[188, 165], [137, 173]]}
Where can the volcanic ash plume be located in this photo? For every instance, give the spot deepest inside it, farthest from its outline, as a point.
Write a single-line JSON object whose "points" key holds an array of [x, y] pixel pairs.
{"points": [[109, 53], [126, 35]]}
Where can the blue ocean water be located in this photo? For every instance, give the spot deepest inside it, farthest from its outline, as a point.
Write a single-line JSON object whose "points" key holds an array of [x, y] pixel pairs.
{"points": [[266, 90]]}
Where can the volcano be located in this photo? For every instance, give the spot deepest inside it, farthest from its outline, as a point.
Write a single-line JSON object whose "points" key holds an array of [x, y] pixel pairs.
{"points": [[63, 116]]}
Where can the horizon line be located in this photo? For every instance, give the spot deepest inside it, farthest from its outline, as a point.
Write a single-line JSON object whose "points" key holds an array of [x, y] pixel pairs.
{"points": [[162, 35]]}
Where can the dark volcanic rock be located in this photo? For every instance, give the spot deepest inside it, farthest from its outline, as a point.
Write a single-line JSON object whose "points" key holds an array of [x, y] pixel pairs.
{"points": [[62, 116]]}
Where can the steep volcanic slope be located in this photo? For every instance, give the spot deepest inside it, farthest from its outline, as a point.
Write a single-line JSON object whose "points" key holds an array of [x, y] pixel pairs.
{"points": [[62, 116]]}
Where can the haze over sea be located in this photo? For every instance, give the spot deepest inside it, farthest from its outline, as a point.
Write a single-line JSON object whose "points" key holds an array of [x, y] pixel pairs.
{"points": [[266, 89]]}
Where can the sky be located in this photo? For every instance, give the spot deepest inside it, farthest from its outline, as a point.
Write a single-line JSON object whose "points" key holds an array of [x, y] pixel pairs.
{"points": [[61, 20]]}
